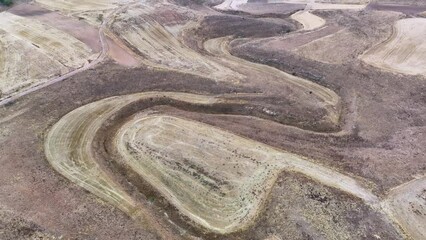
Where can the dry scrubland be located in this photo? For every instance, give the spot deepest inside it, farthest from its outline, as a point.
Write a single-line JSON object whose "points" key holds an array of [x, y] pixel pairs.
{"points": [[233, 126], [33, 52], [327, 48]]}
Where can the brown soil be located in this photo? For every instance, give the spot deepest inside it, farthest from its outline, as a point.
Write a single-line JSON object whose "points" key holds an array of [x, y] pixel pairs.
{"points": [[379, 140], [379, 123]]}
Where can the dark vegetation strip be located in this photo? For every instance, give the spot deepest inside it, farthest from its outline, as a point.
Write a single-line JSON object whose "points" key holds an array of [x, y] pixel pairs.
{"points": [[6, 2]]}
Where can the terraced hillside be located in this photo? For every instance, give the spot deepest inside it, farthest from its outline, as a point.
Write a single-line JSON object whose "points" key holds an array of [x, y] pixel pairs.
{"points": [[212, 119]]}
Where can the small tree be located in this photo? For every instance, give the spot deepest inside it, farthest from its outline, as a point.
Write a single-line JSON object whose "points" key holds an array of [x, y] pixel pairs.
{"points": [[100, 17]]}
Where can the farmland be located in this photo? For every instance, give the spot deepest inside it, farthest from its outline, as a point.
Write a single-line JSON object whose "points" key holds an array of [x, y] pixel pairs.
{"points": [[212, 119]]}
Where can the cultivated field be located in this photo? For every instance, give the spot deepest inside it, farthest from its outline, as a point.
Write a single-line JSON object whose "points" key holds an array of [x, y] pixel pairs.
{"points": [[213, 119], [160, 48], [404, 51], [49, 52], [221, 189]]}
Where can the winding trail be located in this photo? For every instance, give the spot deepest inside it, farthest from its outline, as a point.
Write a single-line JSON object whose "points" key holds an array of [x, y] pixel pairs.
{"points": [[219, 48]]}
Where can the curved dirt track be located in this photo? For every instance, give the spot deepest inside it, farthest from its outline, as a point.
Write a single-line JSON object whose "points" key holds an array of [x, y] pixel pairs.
{"points": [[149, 37], [68, 148], [404, 51], [218, 47]]}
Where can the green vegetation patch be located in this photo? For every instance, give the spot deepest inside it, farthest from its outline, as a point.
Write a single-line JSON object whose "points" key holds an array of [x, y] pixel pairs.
{"points": [[6, 2]]}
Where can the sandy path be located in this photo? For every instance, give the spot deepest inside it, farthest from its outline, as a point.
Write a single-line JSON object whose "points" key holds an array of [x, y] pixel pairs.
{"points": [[404, 51], [406, 204]]}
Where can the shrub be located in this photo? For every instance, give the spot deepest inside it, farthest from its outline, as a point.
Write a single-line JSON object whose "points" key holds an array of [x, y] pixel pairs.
{"points": [[6, 2]]}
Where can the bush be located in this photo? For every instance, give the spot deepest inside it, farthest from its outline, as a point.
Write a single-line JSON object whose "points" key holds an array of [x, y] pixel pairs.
{"points": [[6, 2], [100, 17]]}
